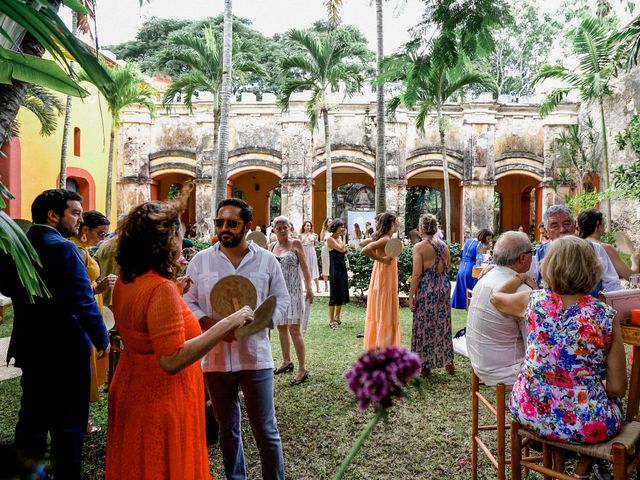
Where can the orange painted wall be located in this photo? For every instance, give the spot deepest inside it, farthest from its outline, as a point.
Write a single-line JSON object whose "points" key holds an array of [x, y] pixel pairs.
{"points": [[256, 186], [319, 188], [511, 187]]}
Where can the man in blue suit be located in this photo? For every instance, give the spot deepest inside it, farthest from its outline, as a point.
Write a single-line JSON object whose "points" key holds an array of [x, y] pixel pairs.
{"points": [[52, 337]]}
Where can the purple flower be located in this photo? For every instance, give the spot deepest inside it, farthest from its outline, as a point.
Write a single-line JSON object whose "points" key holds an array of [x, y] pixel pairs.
{"points": [[380, 375]]}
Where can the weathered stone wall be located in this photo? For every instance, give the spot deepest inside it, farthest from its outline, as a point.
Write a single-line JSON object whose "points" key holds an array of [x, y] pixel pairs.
{"points": [[481, 138], [619, 109]]}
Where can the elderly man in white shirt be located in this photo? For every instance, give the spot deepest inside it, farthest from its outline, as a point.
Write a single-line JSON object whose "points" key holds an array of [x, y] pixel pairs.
{"points": [[558, 221], [247, 362], [496, 342]]}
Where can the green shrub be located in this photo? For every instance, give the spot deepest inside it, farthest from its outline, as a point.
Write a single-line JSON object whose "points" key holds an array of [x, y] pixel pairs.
{"points": [[200, 245], [360, 266], [454, 251]]}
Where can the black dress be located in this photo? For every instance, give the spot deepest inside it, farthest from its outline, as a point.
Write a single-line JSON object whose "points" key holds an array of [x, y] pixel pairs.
{"points": [[339, 281]]}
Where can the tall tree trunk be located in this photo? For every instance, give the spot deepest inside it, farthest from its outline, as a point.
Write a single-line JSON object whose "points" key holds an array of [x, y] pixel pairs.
{"points": [[67, 116], [12, 96], [112, 141], [445, 173], [329, 172], [381, 177], [220, 180], [605, 164]]}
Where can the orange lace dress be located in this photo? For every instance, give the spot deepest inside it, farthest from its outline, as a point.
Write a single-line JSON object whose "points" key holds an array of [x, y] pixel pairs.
{"points": [[156, 427]]}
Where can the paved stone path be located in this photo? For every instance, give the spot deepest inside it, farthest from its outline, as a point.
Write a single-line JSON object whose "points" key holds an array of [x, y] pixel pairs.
{"points": [[7, 372]]}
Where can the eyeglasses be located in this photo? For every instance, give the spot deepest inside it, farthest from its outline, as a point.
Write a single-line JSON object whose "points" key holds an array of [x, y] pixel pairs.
{"points": [[102, 234], [231, 223], [532, 251]]}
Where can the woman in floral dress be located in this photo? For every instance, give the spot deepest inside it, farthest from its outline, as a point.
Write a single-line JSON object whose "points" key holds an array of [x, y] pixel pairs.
{"points": [[429, 300], [574, 345]]}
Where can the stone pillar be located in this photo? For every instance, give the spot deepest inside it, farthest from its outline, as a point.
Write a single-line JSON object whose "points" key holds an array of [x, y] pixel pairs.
{"points": [[297, 166], [397, 200], [204, 222], [479, 124], [296, 199], [132, 163]]}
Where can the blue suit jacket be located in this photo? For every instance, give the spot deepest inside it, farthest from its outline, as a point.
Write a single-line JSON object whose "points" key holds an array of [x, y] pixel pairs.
{"points": [[63, 327]]}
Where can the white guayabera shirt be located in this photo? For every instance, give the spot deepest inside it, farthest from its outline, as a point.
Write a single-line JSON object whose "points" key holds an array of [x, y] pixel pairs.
{"points": [[263, 270]]}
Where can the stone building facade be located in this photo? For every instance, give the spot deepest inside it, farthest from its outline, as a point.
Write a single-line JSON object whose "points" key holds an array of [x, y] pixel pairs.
{"points": [[493, 148]]}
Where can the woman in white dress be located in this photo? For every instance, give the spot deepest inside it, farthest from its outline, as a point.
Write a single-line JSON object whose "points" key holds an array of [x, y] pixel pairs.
{"points": [[309, 240], [292, 258], [324, 251]]}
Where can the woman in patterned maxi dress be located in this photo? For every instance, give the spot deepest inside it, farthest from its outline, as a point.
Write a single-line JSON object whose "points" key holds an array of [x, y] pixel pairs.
{"points": [[429, 300], [292, 258]]}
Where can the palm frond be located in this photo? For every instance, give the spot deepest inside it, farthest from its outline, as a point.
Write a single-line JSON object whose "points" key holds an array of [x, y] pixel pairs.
{"points": [[46, 106], [292, 85], [553, 100], [333, 10]]}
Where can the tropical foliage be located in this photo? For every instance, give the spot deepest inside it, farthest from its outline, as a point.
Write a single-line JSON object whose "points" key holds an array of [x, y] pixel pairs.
{"points": [[428, 81], [45, 105], [579, 152], [600, 55], [328, 61], [127, 88]]}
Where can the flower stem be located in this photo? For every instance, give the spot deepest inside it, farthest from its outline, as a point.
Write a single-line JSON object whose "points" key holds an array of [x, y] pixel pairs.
{"points": [[358, 445]]}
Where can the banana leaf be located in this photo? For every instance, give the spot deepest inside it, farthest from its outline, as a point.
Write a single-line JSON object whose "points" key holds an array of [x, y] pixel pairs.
{"points": [[48, 29], [31, 69], [14, 243]]}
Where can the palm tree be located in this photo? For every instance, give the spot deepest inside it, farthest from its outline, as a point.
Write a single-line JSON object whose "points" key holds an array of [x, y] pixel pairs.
{"points": [[381, 173], [428, 82], [600, 54], [323, 65], [128, 88], [45, 105], [67, 116], [203, 57]]}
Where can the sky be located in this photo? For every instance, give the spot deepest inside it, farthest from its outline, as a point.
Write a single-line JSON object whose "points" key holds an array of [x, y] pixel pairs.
{"points": [[267, 16]]}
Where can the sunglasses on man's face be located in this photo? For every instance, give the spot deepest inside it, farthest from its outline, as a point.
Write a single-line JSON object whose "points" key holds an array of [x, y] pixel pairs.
{"points": [[230, 223]]}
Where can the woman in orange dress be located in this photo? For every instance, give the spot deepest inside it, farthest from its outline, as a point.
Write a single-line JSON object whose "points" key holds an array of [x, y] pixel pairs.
{"points": [[382, 326], [93, 229], [156, 426]]}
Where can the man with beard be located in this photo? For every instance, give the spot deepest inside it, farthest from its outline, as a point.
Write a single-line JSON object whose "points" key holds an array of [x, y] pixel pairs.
{"points": [[52, 337], [246, 362]]}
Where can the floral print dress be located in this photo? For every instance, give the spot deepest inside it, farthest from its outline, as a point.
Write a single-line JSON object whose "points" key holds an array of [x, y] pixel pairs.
{"points": [[431, 334], [559, 393]]}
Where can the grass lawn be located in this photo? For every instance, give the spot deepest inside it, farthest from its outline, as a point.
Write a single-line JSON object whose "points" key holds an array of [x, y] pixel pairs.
{"points": [[425, 438]]}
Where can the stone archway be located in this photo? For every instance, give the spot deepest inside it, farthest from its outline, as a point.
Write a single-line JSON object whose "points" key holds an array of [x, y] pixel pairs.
{"points": [[166, 186], [521, 201], [255, 185], [343, 173], [433, 177]]}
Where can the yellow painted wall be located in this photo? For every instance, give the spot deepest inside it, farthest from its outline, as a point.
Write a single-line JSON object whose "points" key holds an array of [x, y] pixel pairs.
{"points": [[40, 165]]}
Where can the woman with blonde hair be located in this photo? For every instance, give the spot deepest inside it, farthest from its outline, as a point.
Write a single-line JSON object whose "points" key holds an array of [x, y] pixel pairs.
{"points": [[573, 377], [429, 299], [382, 324], [292, 259]]}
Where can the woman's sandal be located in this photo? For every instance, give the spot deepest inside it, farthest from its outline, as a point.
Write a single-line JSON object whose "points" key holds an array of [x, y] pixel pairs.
{"points": [[333, 324], [338, 321]]}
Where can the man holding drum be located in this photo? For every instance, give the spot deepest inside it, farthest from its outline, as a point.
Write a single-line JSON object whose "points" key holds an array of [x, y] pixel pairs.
{"points": [[245, 362]]}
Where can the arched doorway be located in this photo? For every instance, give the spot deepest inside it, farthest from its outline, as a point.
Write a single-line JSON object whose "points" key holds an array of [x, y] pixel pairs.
{"points": [[168, 186], [422, 199], [352, 188], [432, 178], [257, 187], [520, 202]]}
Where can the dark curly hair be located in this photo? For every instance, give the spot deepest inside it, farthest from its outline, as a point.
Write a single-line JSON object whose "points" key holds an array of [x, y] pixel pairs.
{"points": [[149, 240], [335, 225], [384, 224]]}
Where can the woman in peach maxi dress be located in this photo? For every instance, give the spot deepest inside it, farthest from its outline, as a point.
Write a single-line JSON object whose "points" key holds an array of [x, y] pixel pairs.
{"points": [[156, 426], [382, 326]]}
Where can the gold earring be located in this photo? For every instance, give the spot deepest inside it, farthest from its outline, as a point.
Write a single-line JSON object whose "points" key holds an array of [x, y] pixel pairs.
{"points": [[83, 238]]}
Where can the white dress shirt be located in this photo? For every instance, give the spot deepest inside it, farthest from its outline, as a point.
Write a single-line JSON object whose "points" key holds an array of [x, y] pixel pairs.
{"points": [[495, 342], [610, 279], [263, 270]]}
